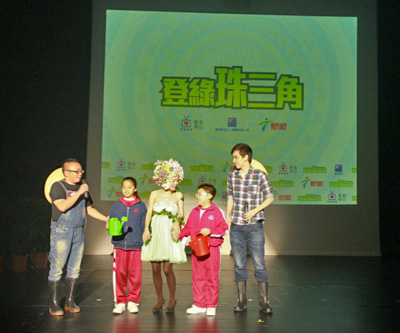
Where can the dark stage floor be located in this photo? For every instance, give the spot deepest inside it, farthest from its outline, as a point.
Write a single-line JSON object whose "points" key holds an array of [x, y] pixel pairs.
{"points": [[308, 294]]}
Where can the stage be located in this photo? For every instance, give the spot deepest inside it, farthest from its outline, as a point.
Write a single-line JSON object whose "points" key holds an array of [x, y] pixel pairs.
{"points": [[307, 294]]}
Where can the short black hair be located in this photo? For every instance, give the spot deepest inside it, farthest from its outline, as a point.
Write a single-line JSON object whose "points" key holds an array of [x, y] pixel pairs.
{"points": [[244, 149], [69, 160], [210, 189]]}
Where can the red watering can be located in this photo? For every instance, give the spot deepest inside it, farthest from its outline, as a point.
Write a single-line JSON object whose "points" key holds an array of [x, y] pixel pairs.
{"points": [[200, 245]]}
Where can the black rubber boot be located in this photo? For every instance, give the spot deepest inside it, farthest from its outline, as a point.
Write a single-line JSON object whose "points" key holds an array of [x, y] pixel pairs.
{"points": [[70, 290], [264, 301], [242, 300], [55, 308]]}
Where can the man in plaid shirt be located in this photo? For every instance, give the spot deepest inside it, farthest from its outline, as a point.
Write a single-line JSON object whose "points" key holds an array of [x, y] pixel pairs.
{"points": [[249, 193]]}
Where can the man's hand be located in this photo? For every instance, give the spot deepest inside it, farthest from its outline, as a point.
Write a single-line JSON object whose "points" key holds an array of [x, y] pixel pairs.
{"points": [[249, 215], [82, 189]]}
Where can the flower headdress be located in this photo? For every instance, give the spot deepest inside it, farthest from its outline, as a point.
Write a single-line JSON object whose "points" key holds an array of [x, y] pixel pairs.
{"points": [[166, 172]]}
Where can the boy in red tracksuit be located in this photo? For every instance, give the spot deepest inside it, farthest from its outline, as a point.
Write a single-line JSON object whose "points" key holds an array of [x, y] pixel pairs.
{"points": [[209, 220]]}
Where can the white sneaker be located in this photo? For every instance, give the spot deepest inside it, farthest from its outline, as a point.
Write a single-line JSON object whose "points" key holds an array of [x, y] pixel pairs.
{"points": [[119, 308], [133, 307], [211, 311], [195, 309]]}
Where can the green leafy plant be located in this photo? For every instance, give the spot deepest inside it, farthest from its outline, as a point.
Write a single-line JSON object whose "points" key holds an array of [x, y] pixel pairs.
{"points": [[173, 217]]}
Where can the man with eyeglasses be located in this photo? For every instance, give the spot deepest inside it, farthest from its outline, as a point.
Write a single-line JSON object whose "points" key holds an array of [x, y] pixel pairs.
{"points": [[71, 204]]}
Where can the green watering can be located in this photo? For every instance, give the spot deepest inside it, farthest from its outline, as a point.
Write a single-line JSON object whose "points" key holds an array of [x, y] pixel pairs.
{"points": [[115, 226]]}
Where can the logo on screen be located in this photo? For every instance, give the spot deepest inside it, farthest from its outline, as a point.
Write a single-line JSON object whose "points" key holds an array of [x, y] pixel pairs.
{"points": [[202, 180], [185, 182], [264, 124], [283, 169], [121, 165], [143, 178], [131, 165], [332, 197], [338, 169], [225, 166], [110, 192], [243, 92], [279, 126], [305, 182], [293, 169], [186, 122], [232, 122]]}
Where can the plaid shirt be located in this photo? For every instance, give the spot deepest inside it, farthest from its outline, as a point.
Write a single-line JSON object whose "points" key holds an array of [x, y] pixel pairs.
{"points": [[248, 193]]}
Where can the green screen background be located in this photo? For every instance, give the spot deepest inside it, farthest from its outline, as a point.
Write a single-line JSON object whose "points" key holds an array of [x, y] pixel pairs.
{"points": [[313, 161]]}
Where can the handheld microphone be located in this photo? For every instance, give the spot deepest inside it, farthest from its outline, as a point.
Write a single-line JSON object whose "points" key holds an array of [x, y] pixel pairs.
{"points": [[86, 194]]}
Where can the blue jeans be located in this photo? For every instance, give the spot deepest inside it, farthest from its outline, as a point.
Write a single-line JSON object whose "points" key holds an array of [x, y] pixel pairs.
{"points": [[253, 234], [67, 243]]}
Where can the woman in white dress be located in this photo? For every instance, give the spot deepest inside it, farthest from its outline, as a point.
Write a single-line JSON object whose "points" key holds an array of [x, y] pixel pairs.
{"points": [[162, 229]]}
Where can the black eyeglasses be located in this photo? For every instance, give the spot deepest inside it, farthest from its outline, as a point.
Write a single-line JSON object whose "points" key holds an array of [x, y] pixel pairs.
{"points": [[77, 171]]}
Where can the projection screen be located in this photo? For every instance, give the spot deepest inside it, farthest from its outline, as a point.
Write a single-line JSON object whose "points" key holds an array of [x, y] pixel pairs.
{"points": [[188, 81]]}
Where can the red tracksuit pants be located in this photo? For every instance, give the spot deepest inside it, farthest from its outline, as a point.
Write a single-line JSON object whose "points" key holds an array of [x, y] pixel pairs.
{"points": [[127, 267], [205, 278]]}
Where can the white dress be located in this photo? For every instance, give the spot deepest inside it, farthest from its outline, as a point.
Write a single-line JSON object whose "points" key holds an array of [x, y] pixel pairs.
{"points": [[161, 246]]}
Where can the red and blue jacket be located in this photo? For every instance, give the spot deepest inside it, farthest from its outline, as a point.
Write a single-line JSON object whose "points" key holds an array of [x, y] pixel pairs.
{"points": [[133, 229]]}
